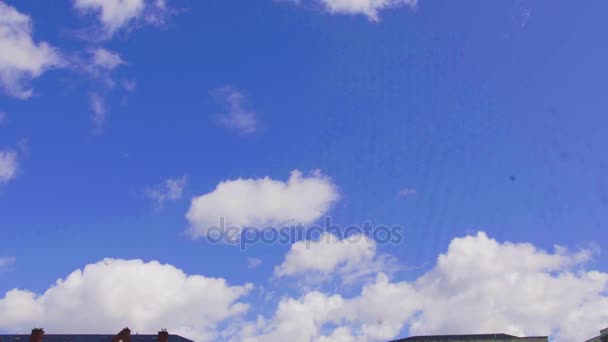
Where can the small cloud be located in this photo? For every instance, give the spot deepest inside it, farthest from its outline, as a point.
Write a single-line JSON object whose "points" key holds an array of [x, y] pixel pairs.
{"points": [[116, 15], [9, 165], [171, 189], [23, 146], [2, 117], [129, 85], [99, 63], [253, 262], [368, 8], [525, 16], [98, 107], [237, 114], [405, 193], [106, 59], [6, 262]]}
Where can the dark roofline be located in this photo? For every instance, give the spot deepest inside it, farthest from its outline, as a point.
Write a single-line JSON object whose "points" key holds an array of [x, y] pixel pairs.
{"points": [[98, 337], [467, 336]]}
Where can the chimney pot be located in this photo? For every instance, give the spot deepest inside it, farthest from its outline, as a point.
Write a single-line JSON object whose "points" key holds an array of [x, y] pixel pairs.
{"points": [[37, 335], [163, 336]]}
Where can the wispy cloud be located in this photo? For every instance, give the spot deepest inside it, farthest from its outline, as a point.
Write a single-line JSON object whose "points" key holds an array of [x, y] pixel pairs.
{"points": [[98, 107], [405, 193], [253, 262], [129, 85], [170, 189], [237, 113], [99, 64], [526, 13], [6, 262], [9, 165]]}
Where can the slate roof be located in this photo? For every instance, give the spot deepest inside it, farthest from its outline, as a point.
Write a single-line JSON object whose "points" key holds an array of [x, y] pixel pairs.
{"points": [[471, 337], [88, 338]]}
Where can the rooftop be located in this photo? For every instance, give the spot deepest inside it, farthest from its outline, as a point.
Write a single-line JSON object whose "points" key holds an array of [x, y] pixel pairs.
{"points": [[470, 337], [88, 338]]}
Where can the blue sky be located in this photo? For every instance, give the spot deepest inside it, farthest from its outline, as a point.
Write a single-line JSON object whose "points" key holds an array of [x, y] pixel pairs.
{"points": [[488, 116]]}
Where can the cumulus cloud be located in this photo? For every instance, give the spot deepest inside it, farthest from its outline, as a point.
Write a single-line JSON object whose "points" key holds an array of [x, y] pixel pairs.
{"points": [[263, 202], [9, 165], [170, 189], [350, 259], [237, 114], [368, 8], [377, 314], [114, 15], [22, 59], [115, 293], [478, 286], [514, 288]]}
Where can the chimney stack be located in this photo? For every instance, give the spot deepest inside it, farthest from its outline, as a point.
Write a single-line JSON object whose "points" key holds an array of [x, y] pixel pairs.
{"points": [[37, 335], [123, 336], [163, 336]]}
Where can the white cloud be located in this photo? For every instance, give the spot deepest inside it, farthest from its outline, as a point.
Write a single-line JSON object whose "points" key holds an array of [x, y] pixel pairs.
{"points": [[514, 288], [2, 117], [237, 114], [115, 293], [377, 314], [170, 190], [6, 261], [406, 193], [106, 59], [9, 165], [99, 64], [478, 286], [351, 259], [21, 59], [114, 15], [263, 202], [253, 262], [129, 85], [98, 107], [369, 8]]}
